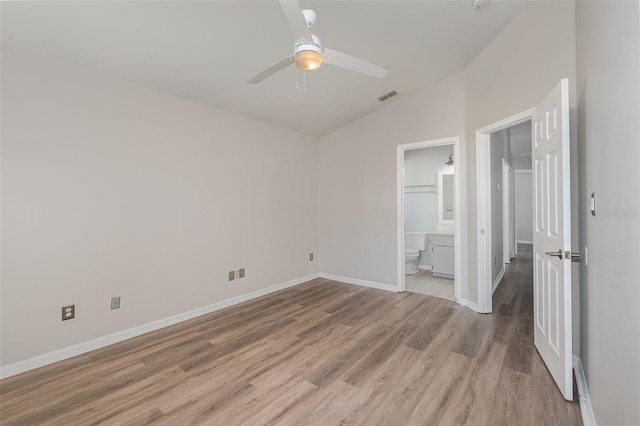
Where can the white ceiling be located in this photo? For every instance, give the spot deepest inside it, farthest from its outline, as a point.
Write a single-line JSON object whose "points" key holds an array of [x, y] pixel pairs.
{"points": [[206, 51]]}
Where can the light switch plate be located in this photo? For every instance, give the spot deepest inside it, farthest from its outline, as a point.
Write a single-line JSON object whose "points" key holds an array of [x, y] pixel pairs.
{"points": [[115, 302]]}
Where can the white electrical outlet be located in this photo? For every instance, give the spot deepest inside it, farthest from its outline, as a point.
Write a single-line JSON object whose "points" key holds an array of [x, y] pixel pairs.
{"points": [[68, 312]]}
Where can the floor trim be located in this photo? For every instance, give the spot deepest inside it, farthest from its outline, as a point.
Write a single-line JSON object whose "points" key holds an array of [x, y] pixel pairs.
{"points": [[496, 282], [469, 304], [81, 348], [586, 409], [363, 283]]}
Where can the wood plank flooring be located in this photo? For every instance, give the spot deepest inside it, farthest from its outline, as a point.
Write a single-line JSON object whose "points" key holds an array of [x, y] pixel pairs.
{"points": [[321, 353]]}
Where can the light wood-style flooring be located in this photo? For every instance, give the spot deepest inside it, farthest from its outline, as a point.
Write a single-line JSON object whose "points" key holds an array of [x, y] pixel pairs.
{"points": [[322, 353]]}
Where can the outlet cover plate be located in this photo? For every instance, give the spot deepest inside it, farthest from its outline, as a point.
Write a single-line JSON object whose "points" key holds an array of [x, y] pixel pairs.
{"points": [[241, 272], [115, 302], [68, 312], [232, 275]]}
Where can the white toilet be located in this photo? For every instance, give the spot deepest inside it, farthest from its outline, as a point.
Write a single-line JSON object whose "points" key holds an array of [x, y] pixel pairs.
{"points": [[414, 243]]}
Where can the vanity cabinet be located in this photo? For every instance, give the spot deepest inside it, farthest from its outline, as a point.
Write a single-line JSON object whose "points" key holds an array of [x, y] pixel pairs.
{"points": [[442, 256]]}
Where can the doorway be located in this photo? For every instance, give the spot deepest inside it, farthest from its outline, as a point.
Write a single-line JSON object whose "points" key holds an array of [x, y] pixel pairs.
{"points": [[448, 222], [552, 254], [487, 259], [510, 148]]}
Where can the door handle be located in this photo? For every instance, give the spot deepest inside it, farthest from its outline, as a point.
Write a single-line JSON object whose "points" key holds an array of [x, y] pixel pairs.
{"points": [[554, 253], [575, 257]]}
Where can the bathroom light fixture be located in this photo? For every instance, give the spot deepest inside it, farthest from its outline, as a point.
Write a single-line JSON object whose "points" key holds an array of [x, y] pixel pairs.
{"points": [[450, 162]]}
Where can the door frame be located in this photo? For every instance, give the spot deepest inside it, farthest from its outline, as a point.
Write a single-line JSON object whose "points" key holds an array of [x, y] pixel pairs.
{"points": [[483, 181], [508, 220], [457, 167]]}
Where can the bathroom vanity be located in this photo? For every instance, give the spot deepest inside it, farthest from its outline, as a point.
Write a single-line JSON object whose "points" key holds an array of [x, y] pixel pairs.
{"points": [[441, 244]]}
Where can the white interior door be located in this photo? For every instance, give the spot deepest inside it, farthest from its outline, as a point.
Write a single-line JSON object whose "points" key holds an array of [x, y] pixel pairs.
{"points": [[552, 236]]}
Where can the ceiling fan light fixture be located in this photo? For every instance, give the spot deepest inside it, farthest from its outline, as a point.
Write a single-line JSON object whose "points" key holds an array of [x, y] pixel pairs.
{"points": [[308, 53], [308, 60]]}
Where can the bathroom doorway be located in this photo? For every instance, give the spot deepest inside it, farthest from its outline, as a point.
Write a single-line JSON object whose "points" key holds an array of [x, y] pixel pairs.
{"points": [[429, 218]]}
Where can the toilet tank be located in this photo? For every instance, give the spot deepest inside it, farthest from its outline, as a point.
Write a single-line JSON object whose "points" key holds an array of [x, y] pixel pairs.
{"points": [[415, 240]]}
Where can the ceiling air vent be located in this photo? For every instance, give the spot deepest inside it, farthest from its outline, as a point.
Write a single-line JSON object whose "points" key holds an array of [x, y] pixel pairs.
{"points": [[387, 95]]}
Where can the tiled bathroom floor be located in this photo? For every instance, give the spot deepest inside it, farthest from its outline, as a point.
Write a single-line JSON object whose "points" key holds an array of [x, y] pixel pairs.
{"points": [[425, 283]]}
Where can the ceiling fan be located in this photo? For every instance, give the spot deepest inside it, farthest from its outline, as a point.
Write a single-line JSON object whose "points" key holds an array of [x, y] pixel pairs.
{"points": [[308, 53]]}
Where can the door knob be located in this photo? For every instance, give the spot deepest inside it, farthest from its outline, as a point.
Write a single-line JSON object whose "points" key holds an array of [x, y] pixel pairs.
{"points": [[575, 257], [554, 253]]}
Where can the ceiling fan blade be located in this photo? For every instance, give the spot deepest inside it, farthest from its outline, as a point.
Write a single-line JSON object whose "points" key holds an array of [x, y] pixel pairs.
{"points": [[272, 70], [339, 59], [297, 23]]}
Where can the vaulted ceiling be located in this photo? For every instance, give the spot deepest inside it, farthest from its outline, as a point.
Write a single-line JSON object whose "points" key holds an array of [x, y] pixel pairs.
{"points": [[206, 51]]}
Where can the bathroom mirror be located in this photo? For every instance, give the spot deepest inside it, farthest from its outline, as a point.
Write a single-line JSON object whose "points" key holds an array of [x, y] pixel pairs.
{"points": [[445, 197]]}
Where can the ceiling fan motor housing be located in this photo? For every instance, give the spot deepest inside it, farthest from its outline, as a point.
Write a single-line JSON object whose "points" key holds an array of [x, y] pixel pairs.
{"points": [[309, 16]]}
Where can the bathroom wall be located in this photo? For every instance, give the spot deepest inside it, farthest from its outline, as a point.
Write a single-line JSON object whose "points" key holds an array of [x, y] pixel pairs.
{"points": [[421, 167]]}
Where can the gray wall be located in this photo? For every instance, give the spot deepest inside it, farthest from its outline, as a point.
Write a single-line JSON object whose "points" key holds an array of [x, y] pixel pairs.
{"points": [[358, 179], [357, 164], [520, 143], [113, 189], [608, 66], [524, 205]]}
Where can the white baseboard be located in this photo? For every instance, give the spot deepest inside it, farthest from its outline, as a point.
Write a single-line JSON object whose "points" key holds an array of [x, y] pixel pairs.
{"points": [[588, 419], [469, 304], [524, 242], [496, 282], [425, 267], [360, 282], [81, 348]]}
